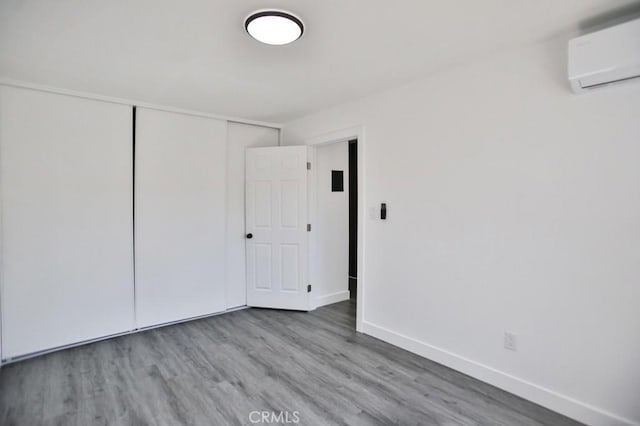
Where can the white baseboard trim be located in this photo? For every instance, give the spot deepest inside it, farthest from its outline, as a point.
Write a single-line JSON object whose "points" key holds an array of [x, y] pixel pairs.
{"points": [[332, 298], [555, 401]]}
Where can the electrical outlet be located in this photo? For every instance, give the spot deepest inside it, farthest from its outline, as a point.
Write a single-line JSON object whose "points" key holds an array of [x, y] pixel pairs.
{"points": [[510, 341]]}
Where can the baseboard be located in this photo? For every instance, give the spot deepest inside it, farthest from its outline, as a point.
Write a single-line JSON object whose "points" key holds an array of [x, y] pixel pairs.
{"points": [[552, 400], [332, 298]]}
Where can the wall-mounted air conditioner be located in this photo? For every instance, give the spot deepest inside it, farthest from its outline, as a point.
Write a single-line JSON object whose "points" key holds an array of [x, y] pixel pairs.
{"points": [[604, 57]]}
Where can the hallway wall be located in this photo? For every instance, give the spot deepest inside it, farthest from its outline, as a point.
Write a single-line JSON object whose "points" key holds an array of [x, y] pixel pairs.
{"points": [[330, 261]]}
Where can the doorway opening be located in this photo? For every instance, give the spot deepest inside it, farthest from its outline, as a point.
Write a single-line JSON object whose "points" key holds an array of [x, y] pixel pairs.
{"points": [[353, 219], [334, 245], [305, 224], [337, 256]]}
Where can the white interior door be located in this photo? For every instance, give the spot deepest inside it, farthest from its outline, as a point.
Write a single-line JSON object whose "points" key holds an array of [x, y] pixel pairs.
{"points": [[67, 228], [180, 209], [240, 137], [276, 226]]}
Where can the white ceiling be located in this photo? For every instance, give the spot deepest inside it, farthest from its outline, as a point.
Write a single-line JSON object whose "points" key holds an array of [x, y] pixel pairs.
{"points": [[195, 54]]}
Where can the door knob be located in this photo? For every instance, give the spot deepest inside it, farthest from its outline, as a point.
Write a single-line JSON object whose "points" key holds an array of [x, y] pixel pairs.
{"points": [[249, 236]]}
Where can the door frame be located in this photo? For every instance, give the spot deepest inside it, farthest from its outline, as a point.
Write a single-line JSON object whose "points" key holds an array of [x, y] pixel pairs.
{"points": [[345, 135]]}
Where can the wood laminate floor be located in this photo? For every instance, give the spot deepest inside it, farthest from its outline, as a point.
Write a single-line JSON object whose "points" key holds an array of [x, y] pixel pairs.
{"points": [[218, 370]]}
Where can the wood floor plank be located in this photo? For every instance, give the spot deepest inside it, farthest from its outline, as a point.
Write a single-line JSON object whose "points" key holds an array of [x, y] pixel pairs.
{"points": [[220, 369]]}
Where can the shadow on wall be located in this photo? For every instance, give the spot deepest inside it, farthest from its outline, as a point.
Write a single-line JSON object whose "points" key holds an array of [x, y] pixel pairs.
{"points": [[610, 18]]}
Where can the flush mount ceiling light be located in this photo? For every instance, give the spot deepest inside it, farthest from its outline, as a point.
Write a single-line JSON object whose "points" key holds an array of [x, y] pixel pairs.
{"points": [[274, 27]]}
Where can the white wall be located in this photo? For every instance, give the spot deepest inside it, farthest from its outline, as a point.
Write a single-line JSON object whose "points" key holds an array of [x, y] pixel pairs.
{"points": [[239, 137], [513, 206], [329, 266]]}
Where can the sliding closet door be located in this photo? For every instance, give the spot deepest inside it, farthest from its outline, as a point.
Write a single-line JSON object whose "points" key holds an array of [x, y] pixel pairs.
{"points": [[67, 247], [179, 216]]}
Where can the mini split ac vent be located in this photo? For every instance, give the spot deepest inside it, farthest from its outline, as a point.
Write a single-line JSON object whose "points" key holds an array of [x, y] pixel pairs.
{"points": [[605, 57]]}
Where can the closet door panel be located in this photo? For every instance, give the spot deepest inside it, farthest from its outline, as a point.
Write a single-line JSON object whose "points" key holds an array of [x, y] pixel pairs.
{"points": [[67, 220], [180, 188]]}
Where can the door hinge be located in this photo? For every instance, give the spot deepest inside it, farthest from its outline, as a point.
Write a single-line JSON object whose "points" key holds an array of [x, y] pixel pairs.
{"points": [[308, 227], [308, 165], [309, 288]]}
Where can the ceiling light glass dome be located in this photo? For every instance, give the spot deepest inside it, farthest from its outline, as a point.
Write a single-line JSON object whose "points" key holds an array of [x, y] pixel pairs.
{"points": [[274, 27]]}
